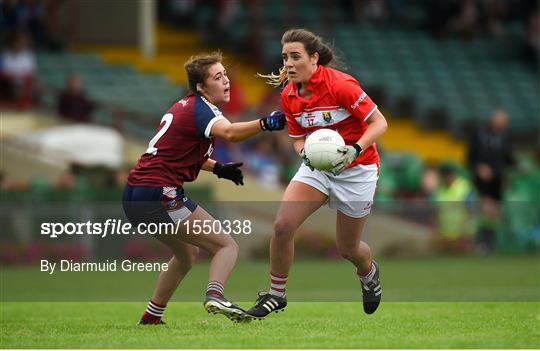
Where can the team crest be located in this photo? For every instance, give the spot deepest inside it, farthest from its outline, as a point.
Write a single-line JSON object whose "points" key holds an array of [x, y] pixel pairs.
{"points": [[327, 116]]}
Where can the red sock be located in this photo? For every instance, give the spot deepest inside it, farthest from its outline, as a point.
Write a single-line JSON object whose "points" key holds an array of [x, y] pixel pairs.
{"points": [[214, 288], [367, 275], [277, 284], [153, 313]]}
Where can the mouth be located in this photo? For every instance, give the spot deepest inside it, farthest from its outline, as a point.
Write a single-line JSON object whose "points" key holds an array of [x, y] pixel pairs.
{"points": [[227, 91]]}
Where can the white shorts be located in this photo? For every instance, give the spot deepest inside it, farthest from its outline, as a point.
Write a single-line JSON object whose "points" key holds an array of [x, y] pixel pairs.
{"points": [[350, 192]]}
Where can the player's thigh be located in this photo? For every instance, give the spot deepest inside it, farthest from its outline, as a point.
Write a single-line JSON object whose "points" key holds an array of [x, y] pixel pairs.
{"points": [[211, 241], [349, 231], [299, 201]]}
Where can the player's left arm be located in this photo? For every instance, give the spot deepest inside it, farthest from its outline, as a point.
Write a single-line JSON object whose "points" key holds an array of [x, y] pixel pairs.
{"points": [[229, 170], [354, 99], [377, 126], [350, 95]]}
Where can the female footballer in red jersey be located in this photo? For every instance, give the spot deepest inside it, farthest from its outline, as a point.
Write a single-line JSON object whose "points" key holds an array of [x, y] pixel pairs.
{"points": [[180, 149], [317, 96]]}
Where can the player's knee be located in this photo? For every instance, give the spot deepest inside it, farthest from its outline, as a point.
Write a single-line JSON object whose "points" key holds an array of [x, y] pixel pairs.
{"points": [[347, 253], [192, 257], [283, 229], [229, 244], [233, 246], [186, 260]]}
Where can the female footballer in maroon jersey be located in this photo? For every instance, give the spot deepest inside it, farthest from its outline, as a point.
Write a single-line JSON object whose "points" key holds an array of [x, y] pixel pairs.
{"points": [[316, 96], [180, 149]]}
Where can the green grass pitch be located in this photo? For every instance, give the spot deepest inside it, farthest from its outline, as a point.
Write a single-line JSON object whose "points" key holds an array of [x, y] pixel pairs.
{"points": [[302, 325], [460, 303]]}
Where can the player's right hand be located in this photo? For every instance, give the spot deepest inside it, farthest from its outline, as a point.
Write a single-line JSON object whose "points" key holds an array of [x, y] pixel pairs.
{"points": [[305, 159], [274, 121]]}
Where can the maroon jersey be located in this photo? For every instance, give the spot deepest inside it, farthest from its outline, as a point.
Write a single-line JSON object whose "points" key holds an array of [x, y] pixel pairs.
{"points": [[181, 146]]}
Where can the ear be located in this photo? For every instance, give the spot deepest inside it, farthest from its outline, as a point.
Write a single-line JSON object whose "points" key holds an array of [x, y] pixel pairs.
{"points": [[199, 88], [314, 58]]}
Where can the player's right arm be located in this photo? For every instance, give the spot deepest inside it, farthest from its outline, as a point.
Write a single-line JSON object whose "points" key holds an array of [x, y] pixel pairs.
{"points": [[296, 132], [298, 144], [243, 130]]}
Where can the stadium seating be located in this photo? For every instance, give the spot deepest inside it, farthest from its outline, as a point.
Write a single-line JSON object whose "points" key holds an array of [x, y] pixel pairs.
{"points": [[109, 85], [466, 79]]}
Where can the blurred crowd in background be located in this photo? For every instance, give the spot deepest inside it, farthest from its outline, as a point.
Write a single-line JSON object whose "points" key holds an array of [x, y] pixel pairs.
{"points": [[491, 175]]}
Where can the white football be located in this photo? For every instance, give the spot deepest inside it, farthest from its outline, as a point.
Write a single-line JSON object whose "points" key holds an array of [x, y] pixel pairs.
{"points": [[321, 148]]}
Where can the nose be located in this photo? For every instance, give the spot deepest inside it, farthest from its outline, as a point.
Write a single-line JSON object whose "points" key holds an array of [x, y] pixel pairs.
{"points": [[226, 80], [287, 62]]}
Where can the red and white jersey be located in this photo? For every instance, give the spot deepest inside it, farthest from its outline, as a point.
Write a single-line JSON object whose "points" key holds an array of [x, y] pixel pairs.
{"points": [[337, 102], [181, 146]]}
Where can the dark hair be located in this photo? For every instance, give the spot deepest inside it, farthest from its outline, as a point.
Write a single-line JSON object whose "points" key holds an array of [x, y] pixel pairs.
{"points": [[197, 68], [313, 44]]}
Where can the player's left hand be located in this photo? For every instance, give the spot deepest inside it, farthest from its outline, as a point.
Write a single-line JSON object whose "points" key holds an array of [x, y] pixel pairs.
{"points": [[350, 153], [274, 121], [230, 171]]}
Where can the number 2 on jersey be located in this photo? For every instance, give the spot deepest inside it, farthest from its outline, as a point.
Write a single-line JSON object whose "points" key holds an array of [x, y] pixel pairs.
{"points": [[168, 120]]}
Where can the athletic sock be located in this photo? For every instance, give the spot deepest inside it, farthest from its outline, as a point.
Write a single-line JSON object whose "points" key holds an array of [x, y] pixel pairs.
{"points": [[277, 284], [214, 288], [153, 313], [367, 275]]}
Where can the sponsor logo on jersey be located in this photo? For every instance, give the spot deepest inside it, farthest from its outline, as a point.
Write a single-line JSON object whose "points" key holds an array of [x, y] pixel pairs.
{"points": [[359, 101], [183, 102], [327, 116], [172, 204]]}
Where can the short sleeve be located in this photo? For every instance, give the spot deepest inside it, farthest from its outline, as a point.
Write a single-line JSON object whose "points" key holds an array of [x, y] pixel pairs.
{"points": [[350, 96], [295, 129], [206, 114]]}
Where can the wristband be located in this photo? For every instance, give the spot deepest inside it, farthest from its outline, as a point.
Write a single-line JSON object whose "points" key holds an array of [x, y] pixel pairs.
{"points": [[262, 124], [358, 149]]}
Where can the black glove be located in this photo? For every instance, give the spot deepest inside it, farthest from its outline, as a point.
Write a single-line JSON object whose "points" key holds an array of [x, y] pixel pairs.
{"points": [[230, 171], [274, 121]]}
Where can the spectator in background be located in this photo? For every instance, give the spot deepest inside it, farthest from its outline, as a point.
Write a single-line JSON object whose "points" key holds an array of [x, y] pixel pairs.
{"points": [[455, 231], [489, 156], [262, 162], [467, 23], [35, 21], [12, 15], [17, 70], [27, 15], [73, 103]]}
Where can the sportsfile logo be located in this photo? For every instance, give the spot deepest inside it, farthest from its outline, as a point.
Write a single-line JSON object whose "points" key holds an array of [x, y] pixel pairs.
{"points": [[118, 227], [357, 102], [103, 229]]}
